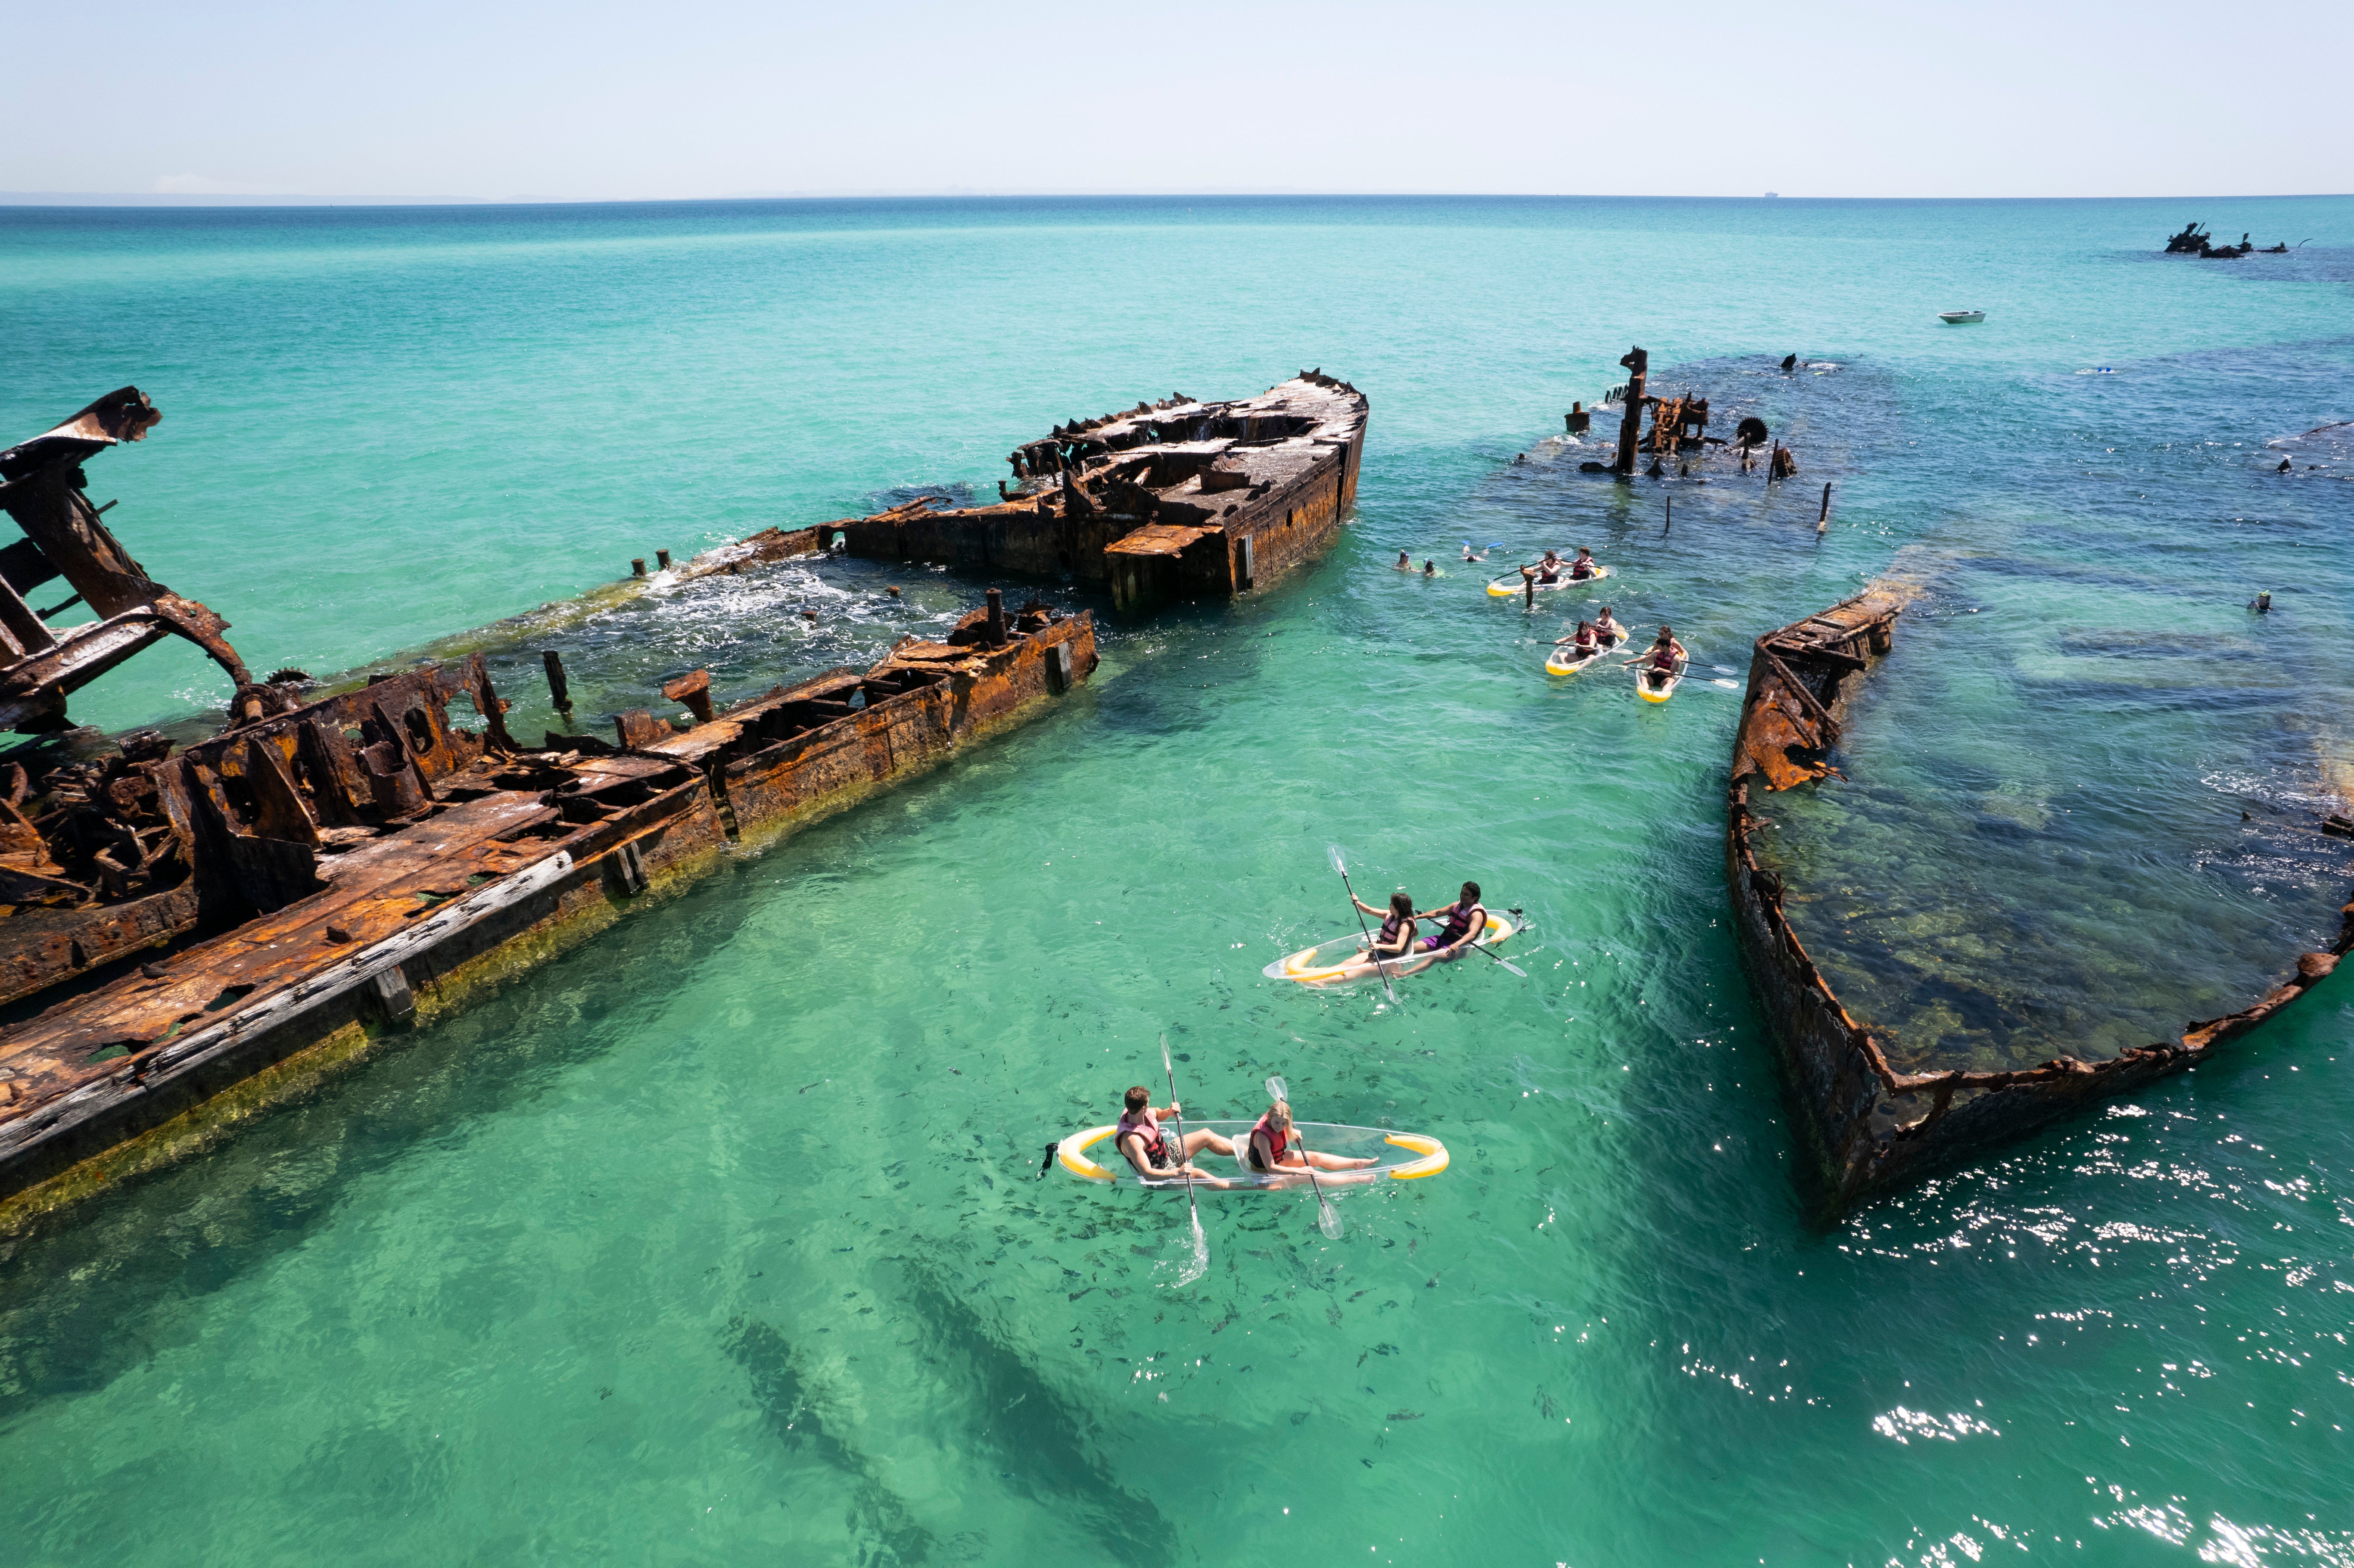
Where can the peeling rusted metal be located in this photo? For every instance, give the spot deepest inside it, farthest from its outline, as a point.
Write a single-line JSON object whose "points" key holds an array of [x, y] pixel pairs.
{"points": [[41, 485], [1867, 1125]]}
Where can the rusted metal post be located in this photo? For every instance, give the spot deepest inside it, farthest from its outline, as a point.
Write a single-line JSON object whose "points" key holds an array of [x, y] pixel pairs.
{"points": [[996, 618], [1823, 522], [1578, 420], [661, 560], [638, 566], [1671, 521], [695, 691], [557, 687], [1630, 423]]}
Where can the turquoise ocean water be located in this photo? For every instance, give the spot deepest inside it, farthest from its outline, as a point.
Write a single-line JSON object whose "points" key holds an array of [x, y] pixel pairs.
{"points": [[718, 1241]]}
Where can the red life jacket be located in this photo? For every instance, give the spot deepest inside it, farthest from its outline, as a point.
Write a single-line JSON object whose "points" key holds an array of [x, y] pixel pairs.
{"points": [[1276, 1142], [1582, 568]]}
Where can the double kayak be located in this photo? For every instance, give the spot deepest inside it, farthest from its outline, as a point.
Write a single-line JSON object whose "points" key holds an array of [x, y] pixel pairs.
{"points": [[1565, 661], [1343, 959], [1658, 690], [1397, 1156], [1512, 587]]}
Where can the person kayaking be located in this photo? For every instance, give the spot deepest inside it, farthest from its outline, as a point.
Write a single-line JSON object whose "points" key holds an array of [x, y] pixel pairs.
{"points": [[1546, 571], [1584, 645], [1663, 658], [1273, 1146], [1155, 1151], [1395, 938], [1461, 923], [1585, 567], [1607, 629]]}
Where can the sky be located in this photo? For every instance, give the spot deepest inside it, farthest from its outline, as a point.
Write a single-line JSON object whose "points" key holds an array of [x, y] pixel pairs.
{"points": [[586, 101]]}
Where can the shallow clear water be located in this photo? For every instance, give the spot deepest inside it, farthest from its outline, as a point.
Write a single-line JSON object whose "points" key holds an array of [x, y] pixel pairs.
{"points": [[720, 1236]]}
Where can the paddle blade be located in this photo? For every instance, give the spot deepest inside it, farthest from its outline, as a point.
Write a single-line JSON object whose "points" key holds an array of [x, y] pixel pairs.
{"points": [[1327, 1220], [1514, 968], [1191, 1264], [1166, 1065], [1276, 1089], [1339, 861]]}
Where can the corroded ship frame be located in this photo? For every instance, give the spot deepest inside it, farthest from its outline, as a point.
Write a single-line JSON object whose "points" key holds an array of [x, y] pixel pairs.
{"points": [[1867, 1125]]}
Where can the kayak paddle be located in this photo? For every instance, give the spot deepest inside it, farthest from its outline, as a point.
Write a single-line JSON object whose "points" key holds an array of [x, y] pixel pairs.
{"points": [[1328, 1219], [1201, 1243], [1340, 865]]}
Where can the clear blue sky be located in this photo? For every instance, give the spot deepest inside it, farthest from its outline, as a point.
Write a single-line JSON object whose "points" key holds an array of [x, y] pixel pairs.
{"points": [[590, 102]]}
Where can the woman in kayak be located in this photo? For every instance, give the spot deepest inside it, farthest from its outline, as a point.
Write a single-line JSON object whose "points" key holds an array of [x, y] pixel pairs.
{"points": [[1274, 1147], [1546, 572], [1155, 1149], [1607, 629], [1585, 644], [1585, 567], [1395, 938], [1461, 923]]}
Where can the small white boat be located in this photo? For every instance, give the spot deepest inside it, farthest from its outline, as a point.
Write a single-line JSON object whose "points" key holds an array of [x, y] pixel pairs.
{"points": [[1960, 318]]}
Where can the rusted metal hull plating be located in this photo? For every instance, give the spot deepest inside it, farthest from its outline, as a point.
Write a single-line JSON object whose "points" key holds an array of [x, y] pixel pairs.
{"points": [[1867, 1125], [1167, 501], [374, 862]]}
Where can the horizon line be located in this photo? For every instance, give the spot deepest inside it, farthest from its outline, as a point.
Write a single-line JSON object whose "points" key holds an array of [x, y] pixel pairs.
{"points": [[260, 200]]}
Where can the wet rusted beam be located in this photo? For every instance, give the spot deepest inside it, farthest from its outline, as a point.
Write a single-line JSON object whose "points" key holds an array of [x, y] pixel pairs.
{"points": [[1867, 1125]]}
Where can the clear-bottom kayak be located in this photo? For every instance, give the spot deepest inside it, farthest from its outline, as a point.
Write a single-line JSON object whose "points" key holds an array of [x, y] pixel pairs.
{"points": [[1653, 687], [1565, 658], [1514, 585], [1395, 1156], [1343, 959]]}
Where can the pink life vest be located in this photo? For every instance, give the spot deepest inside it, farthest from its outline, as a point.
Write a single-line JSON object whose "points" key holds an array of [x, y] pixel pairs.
{"points": [[1156, 1140]]}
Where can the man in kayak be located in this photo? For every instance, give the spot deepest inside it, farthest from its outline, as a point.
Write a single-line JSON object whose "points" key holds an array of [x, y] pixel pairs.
{"points": [[1155, 1151], [1273, 1147], [1665, 657], [1583, 567], [1608, 630], [1460, 923], [1395, 938], [1584, 645]]}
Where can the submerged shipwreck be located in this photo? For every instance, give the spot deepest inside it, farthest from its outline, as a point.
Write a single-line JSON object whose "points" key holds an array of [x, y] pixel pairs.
{"points": [[1867, 1125], [187, 935], [1168, 501]]}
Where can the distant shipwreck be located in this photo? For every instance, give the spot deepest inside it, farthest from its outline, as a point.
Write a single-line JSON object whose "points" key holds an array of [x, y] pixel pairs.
{"points": [[1867, 1125], [1174, 500]]}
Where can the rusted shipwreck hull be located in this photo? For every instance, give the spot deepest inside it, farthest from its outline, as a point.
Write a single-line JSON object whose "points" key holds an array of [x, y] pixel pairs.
{"points": [[1174, 500], [222, 924], [1867, 1125]]}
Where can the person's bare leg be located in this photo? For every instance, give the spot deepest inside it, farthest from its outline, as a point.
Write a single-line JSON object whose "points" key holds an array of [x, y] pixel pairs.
{"points": [[1202, 1138]]}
